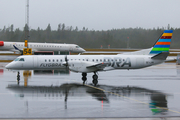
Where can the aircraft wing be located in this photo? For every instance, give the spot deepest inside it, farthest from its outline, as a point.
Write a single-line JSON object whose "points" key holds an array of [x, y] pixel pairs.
{"points": [[21, 50], [99, 66], [16, 48]]}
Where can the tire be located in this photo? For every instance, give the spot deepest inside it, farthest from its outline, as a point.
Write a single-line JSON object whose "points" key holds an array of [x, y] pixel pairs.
{"points": [[95, 82], [84, 74], [95, 77], [84, 78]]}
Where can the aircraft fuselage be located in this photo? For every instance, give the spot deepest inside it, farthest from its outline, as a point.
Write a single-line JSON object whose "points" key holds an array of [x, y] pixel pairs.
{"points": [[8, 46], [78, 63]]}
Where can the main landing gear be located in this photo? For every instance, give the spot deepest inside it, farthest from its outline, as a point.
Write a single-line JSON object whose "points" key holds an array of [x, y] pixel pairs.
{"points": [[18, 77], [94, 81], [84, 78]]}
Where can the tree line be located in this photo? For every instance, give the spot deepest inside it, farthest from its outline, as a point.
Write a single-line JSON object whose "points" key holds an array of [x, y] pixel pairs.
{"points": [[114, 38]]}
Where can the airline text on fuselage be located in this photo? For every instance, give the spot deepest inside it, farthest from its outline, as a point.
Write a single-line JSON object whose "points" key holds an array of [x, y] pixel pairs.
{"points": [[115, 62]]}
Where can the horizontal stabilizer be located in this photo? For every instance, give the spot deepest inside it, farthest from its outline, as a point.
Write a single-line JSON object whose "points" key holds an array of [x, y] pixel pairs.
{"points": [[170, 59], [160, 56]]}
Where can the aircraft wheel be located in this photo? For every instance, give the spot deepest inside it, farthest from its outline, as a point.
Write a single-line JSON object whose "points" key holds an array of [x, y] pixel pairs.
{"points": [[18, 77], [84, 74], [95, 82], [84, 78], [95, 77]]}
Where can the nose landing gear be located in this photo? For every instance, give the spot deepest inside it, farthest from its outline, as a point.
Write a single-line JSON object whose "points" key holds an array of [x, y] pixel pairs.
{"points": [[18, 77]]}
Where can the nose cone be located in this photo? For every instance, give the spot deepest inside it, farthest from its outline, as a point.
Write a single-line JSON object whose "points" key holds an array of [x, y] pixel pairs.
{"points": [[9, 66], [82, 50]]}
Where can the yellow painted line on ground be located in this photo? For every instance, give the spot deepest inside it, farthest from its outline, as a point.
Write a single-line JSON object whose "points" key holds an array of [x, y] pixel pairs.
{"points": [[132, 99]]}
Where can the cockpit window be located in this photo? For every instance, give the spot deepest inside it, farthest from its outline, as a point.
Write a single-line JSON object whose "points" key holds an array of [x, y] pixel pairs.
{"points": [[22, 59], [77, 47], [17, 59]]}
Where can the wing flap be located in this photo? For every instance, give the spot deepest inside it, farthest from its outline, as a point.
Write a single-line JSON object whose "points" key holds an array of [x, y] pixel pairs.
{"points": [[98, 66]]}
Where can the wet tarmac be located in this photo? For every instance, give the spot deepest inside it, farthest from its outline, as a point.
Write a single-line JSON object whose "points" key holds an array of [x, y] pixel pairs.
{"points": [[152, 92]]}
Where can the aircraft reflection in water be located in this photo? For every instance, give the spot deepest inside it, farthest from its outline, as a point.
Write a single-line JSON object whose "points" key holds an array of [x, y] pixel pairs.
{"points": [[27, 74], [156, 100]]}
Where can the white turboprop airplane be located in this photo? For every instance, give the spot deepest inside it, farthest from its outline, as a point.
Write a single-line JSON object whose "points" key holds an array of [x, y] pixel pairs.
{"points": [[94, 63], [18, 47]]}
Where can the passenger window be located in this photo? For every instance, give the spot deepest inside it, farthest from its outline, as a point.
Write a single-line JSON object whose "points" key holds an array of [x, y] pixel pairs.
{"points": [[97, 60], [61, 60], [45, 60], [49, 60], [57, 60], [93, 60], [53, 60]]}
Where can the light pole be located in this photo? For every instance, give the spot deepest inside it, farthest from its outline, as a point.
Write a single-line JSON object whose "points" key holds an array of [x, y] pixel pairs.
{"points": [[127, 42]]}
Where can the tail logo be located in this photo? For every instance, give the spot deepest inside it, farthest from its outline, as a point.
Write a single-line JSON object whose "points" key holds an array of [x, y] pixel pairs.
{"points": [[163, 44]]}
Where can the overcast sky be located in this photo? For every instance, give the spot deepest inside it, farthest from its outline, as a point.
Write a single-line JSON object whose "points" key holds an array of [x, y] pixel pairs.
{"points": [[92, 14]]}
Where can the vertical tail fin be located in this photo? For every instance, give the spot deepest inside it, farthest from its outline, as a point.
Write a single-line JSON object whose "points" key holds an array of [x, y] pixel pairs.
{"points": [[163, 43]]}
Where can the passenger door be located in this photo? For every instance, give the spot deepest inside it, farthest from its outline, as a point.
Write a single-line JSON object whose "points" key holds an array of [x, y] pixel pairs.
{"points": [[35, 61]]}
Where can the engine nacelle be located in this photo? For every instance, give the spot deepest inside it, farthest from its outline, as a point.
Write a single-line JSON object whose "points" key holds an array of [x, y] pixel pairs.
{"points": [[81, 66], [1, 43]]}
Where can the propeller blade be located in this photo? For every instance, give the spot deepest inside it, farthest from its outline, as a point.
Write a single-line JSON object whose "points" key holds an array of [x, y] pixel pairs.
{"points": [[66, 60]]}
